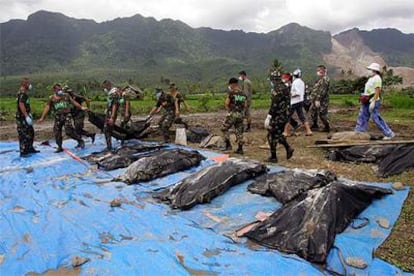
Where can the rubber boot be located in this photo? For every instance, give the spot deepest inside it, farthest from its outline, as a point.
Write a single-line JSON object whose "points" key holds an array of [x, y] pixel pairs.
{"points": [[327, 128], [308, 129], [239, 149], [289, 149], [273, 157], [248, 128], [81, 144]]}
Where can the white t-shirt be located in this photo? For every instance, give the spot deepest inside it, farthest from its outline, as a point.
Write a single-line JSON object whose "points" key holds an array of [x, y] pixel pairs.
{"points": [[371, 84], [297, 91]]}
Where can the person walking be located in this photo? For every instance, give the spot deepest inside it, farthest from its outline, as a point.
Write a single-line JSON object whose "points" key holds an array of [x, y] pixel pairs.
{"points": [[277, 117], [235, 104], [24, 120], [371, 102], [78, 115], [111, 112], [248, 91], [320, 100], [60, 104], [297, 93]]}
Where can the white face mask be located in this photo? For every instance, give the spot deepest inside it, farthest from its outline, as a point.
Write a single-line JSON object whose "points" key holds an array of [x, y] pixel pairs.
{"points": [[59, 93], [105, 90], [30, 87], [241, 78], [319, 73], [371, 73]]}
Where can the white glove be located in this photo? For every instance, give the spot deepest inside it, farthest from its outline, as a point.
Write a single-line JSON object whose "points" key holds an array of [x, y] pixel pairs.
{"points": [[267, 121], [29, 120], [371, 106], [317, 104]]}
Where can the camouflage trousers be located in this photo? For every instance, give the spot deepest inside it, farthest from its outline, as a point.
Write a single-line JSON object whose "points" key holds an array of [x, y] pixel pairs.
{"points": [[64, 120], [234, 119], [78, 121], [26, 135], [166, 121], [321, 112], [275, 135]]}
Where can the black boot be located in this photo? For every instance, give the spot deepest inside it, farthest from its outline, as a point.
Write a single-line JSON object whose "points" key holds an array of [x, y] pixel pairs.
{"points": [[327, 128], [59, 149], [289, 149], [248, 128], [273, 157], [314, 126], [81, 144], [92, 136], [227, 145], [239, 149]]}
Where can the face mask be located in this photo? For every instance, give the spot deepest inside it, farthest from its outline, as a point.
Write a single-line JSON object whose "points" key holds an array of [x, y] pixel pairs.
{"points": [[105, 90], [319, 73], [30, 87], [241, 78], [371, 73], [59, 93], [229, 88], [158, 95]]}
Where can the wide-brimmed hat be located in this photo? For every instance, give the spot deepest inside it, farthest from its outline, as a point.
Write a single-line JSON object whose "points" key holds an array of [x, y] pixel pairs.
{"points": [[374, 66]]}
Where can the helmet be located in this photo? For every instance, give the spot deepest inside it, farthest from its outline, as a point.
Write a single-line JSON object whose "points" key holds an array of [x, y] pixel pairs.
{"points": [[374, 66], [297, 73]]}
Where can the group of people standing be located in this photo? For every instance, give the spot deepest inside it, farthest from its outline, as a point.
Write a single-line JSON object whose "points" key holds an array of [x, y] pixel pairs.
{"points": [[288, 96]]}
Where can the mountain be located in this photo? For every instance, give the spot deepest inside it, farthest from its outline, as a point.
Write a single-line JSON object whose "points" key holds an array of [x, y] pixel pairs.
{"points": [[149, 49], [354, 49], [53, 42]]}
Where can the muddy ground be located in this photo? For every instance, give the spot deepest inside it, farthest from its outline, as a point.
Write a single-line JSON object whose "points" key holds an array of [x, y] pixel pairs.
{"points": [[399, 247]]}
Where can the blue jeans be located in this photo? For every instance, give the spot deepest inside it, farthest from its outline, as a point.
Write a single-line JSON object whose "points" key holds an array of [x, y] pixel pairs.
{"points": [[363, 118]]}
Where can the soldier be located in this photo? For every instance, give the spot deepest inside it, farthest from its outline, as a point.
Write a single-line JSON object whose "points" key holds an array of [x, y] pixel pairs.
{"points": [[24, 120], [60, 103], [248, 91], [170, 104], [277, 117], [125, 106], [78, 115], [320, 100], [111, 112], [235, 104], [180, 100]]}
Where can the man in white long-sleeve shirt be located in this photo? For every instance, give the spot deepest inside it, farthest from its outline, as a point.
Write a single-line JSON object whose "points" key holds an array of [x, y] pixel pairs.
{"points": [[297, 94]]}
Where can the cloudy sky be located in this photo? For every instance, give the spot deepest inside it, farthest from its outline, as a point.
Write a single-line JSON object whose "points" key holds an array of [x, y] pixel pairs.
{"points": [[248, 15]]}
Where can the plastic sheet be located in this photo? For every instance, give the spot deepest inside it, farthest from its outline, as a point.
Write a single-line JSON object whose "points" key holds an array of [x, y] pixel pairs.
{"points": [[54, 208]]}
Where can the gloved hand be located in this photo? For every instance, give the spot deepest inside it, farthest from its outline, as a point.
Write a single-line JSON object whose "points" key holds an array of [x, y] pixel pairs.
{"points": [[29, 120], [317, 104], [372, 106], [267, 121]]}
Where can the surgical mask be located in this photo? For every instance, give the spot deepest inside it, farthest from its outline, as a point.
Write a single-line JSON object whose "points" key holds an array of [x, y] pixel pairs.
{"points": [[158, 95], [30, 87], [59, 92], [229, 88], [319, 73], [371, 73], [241, 78], [106, 90]]}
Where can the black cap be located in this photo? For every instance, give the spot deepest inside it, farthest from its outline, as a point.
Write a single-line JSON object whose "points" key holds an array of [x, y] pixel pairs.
{"points": [[233, 80]]}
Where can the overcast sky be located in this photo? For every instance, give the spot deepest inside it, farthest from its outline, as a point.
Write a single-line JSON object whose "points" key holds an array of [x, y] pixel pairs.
{"points": [[247, 15]]}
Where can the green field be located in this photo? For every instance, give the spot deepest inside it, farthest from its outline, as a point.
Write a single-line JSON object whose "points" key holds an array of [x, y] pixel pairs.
{"points": [[397, 106]]}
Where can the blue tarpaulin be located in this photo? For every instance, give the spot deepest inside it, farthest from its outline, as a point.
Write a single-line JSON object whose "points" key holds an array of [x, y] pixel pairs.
{"points": [[54, 208]]}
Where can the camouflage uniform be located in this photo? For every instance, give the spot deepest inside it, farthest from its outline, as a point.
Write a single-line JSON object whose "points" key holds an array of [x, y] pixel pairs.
{"points": [[279, 109], [24, 130], [167, 101], [248, 91], [320, 92], [79, 117], [112, 100], [179, 120], [125, 118], [61, 108], [235, 117]]}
